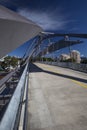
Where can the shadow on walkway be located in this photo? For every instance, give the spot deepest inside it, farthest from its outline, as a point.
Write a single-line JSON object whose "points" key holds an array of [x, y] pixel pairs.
{"points": [[34, 68]]}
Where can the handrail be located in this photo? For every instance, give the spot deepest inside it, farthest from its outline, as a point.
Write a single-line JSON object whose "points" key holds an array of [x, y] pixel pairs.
{"points": [[3, 80], [8, 120]]}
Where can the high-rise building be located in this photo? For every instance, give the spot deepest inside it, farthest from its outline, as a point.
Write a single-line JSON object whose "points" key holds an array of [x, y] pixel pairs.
{"points": [[75, 55]]}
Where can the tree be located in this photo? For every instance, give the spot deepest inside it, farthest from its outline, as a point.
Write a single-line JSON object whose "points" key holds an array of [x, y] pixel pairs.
{"points": [[9, 61], [14, 61]]}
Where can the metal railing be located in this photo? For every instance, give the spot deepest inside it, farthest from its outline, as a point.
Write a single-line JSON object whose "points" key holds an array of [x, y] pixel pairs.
{"points": [[74, 66], [11, 118]]}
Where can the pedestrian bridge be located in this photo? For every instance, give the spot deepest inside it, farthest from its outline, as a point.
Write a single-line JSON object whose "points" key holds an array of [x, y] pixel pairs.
{"points": [[57, 98], [39, 96]]}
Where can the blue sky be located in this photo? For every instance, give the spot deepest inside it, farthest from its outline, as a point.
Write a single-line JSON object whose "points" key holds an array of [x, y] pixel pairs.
{"points": [[62, 16], [20, 51]]}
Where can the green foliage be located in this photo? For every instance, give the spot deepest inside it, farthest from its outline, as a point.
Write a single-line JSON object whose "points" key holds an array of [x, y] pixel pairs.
{"points": [[84, 61], [42, 59], [14, 61], [3, 65], [69, 60], [46, 59], [9, 61], [1, 69], [49, 59]]}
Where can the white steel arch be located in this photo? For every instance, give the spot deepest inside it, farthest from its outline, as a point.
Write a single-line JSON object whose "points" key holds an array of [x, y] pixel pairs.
{"points": [[14, 30]]}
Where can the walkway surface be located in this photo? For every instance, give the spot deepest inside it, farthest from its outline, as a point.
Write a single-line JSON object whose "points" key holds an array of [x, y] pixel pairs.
{"points": [[57, 98]]}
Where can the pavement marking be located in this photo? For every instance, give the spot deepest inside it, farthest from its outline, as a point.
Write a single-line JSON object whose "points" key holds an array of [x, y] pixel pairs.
{"points": [[79, 83], [75, 81], [58, 72], [52, 69]]}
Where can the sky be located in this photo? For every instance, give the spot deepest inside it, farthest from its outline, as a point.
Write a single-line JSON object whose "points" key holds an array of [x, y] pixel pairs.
{"points": [[59, 16]]}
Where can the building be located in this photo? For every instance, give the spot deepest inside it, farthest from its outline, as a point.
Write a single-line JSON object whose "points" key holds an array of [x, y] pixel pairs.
{"points": [[64, 57], [75, 55]]}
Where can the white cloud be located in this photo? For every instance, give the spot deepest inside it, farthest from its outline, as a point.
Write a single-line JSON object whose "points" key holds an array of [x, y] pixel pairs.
{"points": [[82, 55], [48, 20]]}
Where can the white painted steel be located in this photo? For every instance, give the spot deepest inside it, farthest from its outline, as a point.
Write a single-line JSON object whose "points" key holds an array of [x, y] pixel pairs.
{"points": [[14, 30], [8, 120]]}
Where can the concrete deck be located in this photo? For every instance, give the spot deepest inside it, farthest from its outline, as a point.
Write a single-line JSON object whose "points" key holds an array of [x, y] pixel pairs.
{"points": [[57, 98]]}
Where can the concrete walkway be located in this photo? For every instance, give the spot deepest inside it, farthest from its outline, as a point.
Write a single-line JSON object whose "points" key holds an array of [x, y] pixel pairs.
{"points": [[57, 98]]}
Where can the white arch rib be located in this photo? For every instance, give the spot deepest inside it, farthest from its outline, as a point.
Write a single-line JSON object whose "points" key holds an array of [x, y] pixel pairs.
{"points": [[14, 30]]}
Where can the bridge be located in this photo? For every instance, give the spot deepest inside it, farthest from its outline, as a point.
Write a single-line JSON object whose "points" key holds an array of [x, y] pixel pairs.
{"points": [[38, 96], [57, 98]]}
